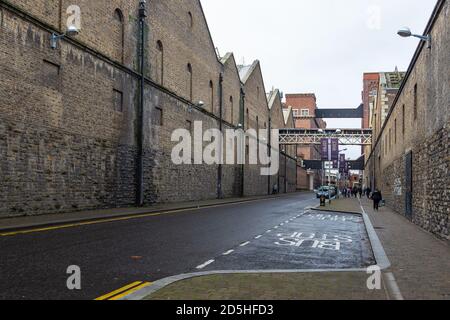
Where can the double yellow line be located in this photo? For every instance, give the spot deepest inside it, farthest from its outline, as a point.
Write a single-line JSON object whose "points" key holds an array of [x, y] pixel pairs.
{"points": [[118, 219], [124, 291]]}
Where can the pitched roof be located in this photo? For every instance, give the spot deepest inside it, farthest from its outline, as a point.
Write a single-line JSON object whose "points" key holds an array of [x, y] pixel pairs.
{"points": [[246, 71]]}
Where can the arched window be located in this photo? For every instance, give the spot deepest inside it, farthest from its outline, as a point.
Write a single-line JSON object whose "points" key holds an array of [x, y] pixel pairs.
{"points": [[119, 34], [247, 118], [160, 62], [211, 88], [189, 81], [190, 20], [231, 110]]}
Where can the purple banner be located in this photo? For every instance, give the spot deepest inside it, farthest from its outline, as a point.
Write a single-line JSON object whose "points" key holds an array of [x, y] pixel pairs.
{"points": [[335, 149], [324, 149]]}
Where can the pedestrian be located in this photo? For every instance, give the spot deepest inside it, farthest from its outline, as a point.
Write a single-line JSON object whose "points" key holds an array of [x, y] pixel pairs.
{"points": [[376, 197], [360, 191], [368, 192]]}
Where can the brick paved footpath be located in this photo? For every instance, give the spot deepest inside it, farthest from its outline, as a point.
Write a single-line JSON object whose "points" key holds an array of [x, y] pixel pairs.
{"points": [[420, 264]]}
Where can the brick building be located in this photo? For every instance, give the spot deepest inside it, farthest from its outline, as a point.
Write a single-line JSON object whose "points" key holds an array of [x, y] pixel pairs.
{"points": [[380, 90], [68, 124], [410, 160], [304, 106]]}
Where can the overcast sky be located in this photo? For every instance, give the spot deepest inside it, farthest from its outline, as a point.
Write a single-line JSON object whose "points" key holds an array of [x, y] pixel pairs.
{"points": [[319, 46]]}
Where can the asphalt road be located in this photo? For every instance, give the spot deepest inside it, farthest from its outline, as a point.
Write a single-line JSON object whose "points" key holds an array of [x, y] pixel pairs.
{"points": [[114, 254]]}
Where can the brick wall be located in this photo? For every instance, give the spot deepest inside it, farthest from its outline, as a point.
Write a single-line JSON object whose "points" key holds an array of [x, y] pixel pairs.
{"points": [[67, 129]]}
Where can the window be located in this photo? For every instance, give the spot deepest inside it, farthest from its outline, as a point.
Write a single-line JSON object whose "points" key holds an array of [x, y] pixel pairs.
{"points": [[160, 62], [390, 139], [50, 74], [189, 81], [211, 88], [305, 113], [258, 92], [232, 109], [158, 117], [415, 101], [189, 125], [119, 34], [404, 120], [118, 100], [248, 120], [296, 113], [395, 131], [190, 20]]}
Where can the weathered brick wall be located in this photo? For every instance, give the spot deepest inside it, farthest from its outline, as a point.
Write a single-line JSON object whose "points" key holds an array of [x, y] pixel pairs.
{"points": [[63, 146], [67, 124]]}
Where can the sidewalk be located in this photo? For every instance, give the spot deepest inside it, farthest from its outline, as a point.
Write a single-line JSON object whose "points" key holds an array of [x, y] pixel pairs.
{"points": [[419, 261], [420, 265], [27, 222]]}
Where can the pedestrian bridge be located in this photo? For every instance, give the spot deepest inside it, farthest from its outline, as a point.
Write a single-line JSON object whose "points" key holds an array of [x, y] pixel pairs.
{"points": [[346, 137]]}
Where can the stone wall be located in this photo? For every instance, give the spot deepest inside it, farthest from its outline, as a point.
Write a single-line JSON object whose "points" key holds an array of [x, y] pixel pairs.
{"points": [[68, 116], [418, 122]]}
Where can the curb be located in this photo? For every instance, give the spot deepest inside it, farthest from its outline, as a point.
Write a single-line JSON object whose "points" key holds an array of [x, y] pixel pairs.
{"points": [[161, 284], [137, 213]]}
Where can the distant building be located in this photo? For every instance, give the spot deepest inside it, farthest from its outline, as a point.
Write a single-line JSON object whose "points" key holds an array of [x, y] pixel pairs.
{"points": [[304, 106], [380, 90]]}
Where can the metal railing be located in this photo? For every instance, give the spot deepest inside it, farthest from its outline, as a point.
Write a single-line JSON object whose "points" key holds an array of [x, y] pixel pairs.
{"points": [[347, 137]]}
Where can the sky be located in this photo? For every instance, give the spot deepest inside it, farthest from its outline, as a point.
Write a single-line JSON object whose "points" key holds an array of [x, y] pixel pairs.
{"points": [[319, 46]]}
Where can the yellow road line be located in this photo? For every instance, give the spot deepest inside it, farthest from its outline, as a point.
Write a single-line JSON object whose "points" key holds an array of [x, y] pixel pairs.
{"points": [[119, 291], [146, 215], [127, 293]]}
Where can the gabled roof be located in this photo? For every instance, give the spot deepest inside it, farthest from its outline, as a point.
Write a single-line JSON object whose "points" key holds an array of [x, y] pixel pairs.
{"points": [[229, 58], [272, 96], [287, 113], [246, 71]]}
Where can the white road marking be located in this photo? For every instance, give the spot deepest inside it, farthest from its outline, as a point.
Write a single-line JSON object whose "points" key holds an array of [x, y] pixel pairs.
{"points": [[257, 237], [207, 263], [269, 231], [228, 252], [245, 243]]}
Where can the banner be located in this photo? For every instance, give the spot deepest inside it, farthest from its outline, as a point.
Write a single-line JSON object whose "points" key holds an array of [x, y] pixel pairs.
{"points": [[324, 149], [335, 149]]}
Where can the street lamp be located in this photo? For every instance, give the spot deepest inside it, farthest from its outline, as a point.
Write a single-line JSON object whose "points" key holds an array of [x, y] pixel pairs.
{"points": [[71, 32], [406, 33]]}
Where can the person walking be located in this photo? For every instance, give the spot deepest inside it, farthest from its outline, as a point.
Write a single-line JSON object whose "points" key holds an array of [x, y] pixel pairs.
{"points": [[360, 191], [376, 197], [368, 192]]}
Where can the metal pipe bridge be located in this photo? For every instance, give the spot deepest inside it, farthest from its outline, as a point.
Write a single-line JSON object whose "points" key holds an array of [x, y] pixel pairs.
{"points": [[347, 137]]}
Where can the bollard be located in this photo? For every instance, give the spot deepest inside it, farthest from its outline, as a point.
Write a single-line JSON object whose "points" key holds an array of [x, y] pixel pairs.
{"points": [[322, 200]]}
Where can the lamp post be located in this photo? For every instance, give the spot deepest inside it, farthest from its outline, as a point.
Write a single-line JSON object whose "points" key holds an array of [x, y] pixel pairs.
{"points": [[406, 33]]}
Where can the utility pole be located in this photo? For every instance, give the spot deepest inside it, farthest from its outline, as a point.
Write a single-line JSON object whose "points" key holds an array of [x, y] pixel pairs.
{"points": [[140, 113]]}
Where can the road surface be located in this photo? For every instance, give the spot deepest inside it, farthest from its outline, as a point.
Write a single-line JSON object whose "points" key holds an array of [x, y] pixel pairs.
{"points": [[112, 255]]}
